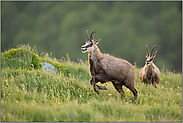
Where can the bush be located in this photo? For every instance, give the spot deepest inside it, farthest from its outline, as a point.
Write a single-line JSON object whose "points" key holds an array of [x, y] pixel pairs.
{"points": [[20, 58]]}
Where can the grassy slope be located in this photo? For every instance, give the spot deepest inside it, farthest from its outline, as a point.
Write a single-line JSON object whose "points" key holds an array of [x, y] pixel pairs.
{"points": [[29, 94]]}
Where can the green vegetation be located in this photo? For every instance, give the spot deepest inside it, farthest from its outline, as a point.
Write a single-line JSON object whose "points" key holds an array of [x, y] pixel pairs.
{"points": [[124, 26], [32, 95], [20, 58]]}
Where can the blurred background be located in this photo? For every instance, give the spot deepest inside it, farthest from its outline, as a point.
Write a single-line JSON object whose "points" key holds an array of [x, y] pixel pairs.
{"points": [[59, 28]]}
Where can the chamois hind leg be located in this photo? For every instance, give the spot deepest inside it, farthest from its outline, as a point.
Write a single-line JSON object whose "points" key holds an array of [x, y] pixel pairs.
{"points": [[130, 85], [91, 81], [119, 88]]}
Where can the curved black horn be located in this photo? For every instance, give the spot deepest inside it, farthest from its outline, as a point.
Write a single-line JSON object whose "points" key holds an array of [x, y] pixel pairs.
{"points": [[153, 49], [91, 37], [87, 35], [147, 50]]}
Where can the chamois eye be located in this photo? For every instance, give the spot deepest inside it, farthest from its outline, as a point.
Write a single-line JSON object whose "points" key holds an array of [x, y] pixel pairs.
{"points": [[91, 44], [150, 59]]}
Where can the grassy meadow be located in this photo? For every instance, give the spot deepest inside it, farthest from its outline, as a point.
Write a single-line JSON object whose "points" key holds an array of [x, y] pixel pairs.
{"points": [[29, 94]]}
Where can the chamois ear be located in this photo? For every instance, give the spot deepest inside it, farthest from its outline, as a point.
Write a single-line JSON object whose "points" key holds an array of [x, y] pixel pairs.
{"points": [[152, 49], [97, 41]]}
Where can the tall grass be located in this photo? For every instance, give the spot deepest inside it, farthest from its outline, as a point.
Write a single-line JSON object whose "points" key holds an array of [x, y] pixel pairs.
{"points": [[31, 95]]}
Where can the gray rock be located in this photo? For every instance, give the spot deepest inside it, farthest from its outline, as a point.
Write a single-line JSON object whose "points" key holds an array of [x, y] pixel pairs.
{"points": [[49, 67]]}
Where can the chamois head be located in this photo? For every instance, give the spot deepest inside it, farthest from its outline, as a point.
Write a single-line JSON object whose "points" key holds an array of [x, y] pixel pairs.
{"points": [[89, 45], [150, 57]]}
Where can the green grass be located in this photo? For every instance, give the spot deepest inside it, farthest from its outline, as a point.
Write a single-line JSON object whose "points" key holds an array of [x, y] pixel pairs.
{"points": [[31, 95]]}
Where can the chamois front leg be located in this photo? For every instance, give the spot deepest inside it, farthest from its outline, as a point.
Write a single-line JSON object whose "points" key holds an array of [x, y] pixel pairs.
{"points": [[100, 87], [145, 79], [91, 81], [94, 84], [149, 81], [154, 82], [102, 79], [96, 78]]}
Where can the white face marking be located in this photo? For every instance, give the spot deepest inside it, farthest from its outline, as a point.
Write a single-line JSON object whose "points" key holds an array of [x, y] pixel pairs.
{"points": [[83, 48], [149, 60], [87, 47]]}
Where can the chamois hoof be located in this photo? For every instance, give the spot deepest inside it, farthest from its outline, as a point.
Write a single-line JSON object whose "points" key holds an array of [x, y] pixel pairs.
{"points": [[97, 91], [102, 87], [134, 99], [155, 86], [105, 88]]}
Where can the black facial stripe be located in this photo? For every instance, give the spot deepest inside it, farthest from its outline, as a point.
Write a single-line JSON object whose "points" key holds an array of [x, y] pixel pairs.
{"points": [[89, 45], [149, 60]]}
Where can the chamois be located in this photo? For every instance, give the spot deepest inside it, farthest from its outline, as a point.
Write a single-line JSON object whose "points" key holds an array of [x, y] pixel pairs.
{"points": [[150, 73], [105, 68]]}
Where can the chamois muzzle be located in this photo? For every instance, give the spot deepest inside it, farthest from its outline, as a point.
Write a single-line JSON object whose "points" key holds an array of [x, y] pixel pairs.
{"points": [[147, 63], [83, 49], [86, 46]]}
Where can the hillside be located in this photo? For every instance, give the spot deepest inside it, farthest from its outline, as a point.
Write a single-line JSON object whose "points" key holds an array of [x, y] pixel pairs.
{"points": [[125, 27], [29, 94]]}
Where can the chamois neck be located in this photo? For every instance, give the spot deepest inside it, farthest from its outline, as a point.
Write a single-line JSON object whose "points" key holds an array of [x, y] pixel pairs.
{"points": [[96, 51], [149, 68], [95, 54]]}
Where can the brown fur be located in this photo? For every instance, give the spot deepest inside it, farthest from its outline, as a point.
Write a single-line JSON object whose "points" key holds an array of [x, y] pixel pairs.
{"points": [[104, 68], [150, 74]]}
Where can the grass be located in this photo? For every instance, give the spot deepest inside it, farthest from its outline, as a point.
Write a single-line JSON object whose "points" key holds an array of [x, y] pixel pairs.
{"points": [[31, 95]]}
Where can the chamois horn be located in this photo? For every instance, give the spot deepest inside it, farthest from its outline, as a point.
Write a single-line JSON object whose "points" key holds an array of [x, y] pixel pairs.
{"points": [[147, 50], [87, 35], [91, 37], [153, 49]]}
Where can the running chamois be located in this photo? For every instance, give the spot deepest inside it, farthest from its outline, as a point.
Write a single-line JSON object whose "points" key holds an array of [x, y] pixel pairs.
{"points": [[105, 68], [150, 73]]}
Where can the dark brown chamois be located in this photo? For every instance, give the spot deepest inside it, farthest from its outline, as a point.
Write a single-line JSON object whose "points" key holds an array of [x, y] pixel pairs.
{"points": [[150, 73], [105, 68]]}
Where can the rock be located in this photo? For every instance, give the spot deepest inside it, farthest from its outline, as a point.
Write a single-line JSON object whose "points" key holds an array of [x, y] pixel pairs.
{"points": [[49, 67]]}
